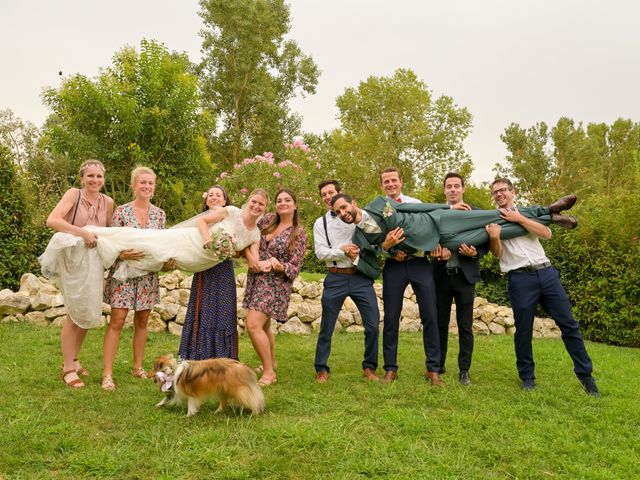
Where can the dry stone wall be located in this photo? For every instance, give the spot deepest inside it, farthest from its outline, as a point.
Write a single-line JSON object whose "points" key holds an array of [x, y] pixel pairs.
{"points": [[39, 302]]}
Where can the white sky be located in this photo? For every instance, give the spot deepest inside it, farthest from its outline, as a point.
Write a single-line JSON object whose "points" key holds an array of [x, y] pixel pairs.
{"points": [[505, 60]]}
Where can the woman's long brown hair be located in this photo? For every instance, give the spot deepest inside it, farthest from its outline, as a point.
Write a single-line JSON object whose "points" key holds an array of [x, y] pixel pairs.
{"points": [[272, 225]]}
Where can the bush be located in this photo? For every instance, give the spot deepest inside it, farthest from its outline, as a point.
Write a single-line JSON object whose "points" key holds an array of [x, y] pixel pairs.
{"points": [[598, 263], [20, 240]]}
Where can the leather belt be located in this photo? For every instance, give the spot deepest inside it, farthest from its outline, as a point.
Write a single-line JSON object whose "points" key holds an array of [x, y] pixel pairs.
{"points": [[408, 258], [346, 271], [454, 270], [532, 268]]}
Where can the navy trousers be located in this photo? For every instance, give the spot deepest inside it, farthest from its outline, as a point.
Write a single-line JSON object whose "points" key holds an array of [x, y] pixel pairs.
{"points": [[450, 287], [395, 277], [526, 290], [337, 287]]}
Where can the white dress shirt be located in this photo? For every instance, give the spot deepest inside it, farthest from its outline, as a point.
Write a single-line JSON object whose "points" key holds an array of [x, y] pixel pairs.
{"points": [[340, 233], [522, 252], [408, 199]]}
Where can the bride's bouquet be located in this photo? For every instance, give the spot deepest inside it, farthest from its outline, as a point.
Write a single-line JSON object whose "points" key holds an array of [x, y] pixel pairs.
{"points": [[221, 245]]}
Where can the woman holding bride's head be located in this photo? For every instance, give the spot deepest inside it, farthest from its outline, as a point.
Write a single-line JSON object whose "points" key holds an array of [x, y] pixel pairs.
{"points": [[272, 271], [77, 208], [210, 327], [139, 294]]}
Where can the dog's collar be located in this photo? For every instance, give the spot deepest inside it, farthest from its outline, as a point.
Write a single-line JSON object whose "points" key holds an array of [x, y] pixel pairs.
{"points": [[167, 381]]}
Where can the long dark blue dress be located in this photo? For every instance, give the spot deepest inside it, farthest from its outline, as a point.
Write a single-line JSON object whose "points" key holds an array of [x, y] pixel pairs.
{"points": [[210, 326]]}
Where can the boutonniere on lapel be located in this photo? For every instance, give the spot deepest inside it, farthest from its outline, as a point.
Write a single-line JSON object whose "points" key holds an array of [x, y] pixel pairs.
{"points": [[388, 210]]}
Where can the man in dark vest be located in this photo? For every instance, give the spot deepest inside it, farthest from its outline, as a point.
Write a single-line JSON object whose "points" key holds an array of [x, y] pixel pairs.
{"points": [[455, 280]]}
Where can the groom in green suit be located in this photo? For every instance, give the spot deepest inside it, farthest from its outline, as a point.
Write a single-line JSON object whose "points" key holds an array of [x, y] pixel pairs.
{"points": [[422, 227]]}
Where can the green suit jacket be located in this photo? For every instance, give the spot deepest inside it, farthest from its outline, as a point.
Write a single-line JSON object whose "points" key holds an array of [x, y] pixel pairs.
{"points": [[426, 225]]}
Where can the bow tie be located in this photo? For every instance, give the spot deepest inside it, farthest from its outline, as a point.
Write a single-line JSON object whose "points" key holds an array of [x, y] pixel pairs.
{"points": [[333, 214]]}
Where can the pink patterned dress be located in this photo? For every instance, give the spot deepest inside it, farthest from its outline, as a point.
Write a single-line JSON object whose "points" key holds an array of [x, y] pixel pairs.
{"points": [[270, 292], [140, 293]]}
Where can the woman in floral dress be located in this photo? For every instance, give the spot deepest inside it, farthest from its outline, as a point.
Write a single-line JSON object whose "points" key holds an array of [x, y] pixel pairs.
{"points": [[139, 294], [282, 247]]}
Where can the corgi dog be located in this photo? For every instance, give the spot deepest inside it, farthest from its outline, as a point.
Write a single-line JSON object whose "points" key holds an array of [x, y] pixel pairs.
{"points": [[197, 380]]}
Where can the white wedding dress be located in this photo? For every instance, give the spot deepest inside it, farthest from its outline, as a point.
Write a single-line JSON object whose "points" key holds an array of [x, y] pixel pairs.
{"points": [[80, 270]]}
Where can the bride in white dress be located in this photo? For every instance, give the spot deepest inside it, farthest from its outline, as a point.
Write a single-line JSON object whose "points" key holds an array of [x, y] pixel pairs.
{"points": [[196, 245]]}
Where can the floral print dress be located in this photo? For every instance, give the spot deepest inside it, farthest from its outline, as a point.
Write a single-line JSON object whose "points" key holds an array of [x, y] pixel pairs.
{"points": [[140, 293], [270, 292]]}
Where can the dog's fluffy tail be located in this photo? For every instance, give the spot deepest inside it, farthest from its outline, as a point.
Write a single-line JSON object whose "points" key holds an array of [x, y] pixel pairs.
{"points": [[249, 395]]}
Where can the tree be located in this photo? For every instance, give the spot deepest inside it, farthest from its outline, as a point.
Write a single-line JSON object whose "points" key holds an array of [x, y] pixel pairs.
{"points": [[597, 160], [144, 109], [20, 137], [397, 121], [249, 73], [20, 240]]}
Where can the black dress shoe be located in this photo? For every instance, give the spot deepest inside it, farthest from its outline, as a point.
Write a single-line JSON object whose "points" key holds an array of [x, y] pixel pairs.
{"points": [[443, 371], [464, 377], [565, 221], [528, 385], [590, 386], [564, 203]]}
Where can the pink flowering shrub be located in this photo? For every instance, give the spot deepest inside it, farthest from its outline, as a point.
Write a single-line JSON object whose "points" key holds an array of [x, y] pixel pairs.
{"points": [[300, 171]]}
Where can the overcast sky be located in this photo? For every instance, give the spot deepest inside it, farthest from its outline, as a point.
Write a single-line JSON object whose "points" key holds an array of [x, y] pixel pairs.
{"points": [[505, 60]]}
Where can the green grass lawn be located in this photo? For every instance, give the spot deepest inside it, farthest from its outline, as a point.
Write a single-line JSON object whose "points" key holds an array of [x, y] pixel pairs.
{"points": [[344, 429]]}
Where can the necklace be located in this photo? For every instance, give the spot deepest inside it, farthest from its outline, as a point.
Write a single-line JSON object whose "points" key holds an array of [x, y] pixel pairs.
{"points": [[142, 214]]}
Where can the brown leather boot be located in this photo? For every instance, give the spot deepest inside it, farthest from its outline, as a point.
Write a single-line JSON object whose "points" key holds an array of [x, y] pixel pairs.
{"points": [[434, 377], [564, 203], [565, 221]]}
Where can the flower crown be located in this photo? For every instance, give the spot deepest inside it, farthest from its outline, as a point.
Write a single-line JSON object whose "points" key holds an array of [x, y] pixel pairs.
{"points": [[84, 167]]}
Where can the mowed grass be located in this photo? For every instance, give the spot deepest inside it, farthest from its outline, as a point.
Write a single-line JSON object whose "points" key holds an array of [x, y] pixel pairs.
{"points": [[344, 429]]}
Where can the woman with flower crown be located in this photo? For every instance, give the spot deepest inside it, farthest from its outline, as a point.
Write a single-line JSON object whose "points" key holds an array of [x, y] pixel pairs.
{"points": [[210, 326], [77, 208]]}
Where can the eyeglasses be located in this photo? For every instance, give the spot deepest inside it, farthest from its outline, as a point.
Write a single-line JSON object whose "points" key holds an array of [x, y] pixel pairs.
{"points": [[499, 191]]}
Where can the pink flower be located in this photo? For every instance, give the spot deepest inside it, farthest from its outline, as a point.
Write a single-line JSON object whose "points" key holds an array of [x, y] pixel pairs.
{"points": [[224, 174], [297, 142], [277, 174], [244, 190], [318, 165]]}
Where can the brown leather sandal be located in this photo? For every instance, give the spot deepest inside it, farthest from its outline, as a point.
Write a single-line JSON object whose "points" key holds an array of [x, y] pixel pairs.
{"points": [[83, 372], [139, 373], [77, 383]]}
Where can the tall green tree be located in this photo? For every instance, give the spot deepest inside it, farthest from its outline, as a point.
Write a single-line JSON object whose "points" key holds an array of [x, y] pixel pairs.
{"points": [[598, 159], [20, 137], [249, 73], [397, 121], [143, 109]]}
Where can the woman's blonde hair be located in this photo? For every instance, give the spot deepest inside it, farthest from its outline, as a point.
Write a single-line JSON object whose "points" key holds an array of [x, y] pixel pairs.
{"points": [[260, 191], [136, 172], [90, 163]]}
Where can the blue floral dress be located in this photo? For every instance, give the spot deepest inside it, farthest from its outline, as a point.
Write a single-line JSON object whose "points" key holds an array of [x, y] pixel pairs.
{"points": [[210, 326], [140, 293]]}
